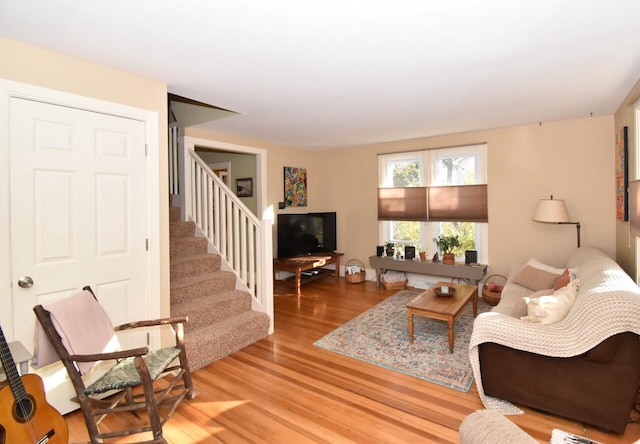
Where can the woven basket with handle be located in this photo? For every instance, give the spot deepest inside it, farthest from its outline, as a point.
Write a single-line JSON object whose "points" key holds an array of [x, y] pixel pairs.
{"points": [[492, 297], [354, 278]]}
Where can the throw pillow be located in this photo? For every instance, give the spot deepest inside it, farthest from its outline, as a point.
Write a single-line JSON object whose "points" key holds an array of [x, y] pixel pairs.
{"points": [[535, 278], [537, 264], [553, 308], [519, 308]]}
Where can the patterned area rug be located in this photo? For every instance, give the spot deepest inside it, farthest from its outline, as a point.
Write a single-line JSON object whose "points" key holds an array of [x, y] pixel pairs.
{"points": [[380, 336]]}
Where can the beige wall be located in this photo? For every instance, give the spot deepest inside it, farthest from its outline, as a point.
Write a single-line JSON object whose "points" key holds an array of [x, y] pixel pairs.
{"points": [[32, 65], [626, 247], [573, 160]]}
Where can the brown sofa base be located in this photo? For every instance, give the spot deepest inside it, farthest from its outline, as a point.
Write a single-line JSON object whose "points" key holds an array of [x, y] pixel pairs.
{"points": [[597, 388]]}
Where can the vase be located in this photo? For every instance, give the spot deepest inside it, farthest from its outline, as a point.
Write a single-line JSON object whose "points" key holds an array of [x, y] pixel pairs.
{"points": [[423, 256], [448, 259]]}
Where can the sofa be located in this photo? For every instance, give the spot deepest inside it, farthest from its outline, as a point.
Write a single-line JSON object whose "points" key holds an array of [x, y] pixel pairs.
{"points": [[582, 363]]}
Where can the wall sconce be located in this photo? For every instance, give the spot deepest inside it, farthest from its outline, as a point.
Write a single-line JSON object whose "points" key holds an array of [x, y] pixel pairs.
{"points": [[554, 211]]}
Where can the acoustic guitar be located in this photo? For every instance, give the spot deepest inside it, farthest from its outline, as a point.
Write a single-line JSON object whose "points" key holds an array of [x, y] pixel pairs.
{"points": [[25, 415]]}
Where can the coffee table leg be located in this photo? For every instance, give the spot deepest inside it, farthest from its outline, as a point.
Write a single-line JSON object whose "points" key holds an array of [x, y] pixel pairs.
{"points": [[450, 321], [410, 326]]}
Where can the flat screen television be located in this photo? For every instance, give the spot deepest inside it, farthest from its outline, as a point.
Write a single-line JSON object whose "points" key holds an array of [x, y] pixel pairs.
{"points": [[306, 234]]}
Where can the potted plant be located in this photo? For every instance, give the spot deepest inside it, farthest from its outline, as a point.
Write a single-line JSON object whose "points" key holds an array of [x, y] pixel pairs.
{"points": [[446, 244], [422, 252], [388, 246]]}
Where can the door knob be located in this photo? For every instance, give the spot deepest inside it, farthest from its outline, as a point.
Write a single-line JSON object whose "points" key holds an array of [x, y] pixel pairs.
{"points": [[25, 282]]}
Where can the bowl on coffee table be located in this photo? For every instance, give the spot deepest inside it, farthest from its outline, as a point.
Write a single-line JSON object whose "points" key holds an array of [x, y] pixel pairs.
{"points": [[444, 291]]}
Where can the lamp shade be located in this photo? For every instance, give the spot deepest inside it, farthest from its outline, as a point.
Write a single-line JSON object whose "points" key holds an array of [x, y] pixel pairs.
{"points": [[551, 211]]}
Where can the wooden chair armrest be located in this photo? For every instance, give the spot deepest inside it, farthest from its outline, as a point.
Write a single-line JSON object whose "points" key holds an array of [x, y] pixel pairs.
{"points": [[152, 323], [112, 355]]}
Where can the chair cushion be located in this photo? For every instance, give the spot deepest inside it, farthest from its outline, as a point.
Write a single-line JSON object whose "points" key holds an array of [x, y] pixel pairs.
{"points": [[124, 374]]}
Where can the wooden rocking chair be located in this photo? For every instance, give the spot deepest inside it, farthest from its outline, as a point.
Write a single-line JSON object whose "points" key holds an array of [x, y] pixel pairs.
{"points": [[132, 378]]}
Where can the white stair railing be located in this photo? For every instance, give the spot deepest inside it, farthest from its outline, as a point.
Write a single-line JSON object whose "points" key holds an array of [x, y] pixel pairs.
{"points": [[235, 232], [174, 131], [243, 240]]}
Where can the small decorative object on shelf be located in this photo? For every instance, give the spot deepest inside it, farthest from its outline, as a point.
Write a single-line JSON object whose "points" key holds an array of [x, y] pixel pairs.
{"points": [[446, 244], [435, 257], [470, 257], [388, 246], [409, 252]]}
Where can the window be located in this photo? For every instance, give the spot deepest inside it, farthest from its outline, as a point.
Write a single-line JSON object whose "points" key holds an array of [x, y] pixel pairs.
{"points": [[435, 168]]}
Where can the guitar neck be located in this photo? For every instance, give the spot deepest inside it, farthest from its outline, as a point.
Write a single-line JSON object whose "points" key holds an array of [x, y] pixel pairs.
{"points": [[17, 388]]}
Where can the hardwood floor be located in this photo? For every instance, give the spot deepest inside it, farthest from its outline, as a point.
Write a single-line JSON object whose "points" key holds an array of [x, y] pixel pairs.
{"points": [[285, 390]]}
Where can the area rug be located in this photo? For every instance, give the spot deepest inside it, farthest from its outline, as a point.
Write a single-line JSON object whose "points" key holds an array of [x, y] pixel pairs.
{"points": [[380, 336]]}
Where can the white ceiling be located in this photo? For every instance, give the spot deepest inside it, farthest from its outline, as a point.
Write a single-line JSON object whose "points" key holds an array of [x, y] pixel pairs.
{"points": [[332, 73]]}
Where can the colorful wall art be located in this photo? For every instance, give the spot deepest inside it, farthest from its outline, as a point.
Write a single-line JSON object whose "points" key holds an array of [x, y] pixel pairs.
{"points": [[622, 175], [295, 187]]}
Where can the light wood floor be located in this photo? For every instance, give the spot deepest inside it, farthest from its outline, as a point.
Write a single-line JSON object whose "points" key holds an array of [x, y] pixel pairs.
{"points": [[284, 390]]}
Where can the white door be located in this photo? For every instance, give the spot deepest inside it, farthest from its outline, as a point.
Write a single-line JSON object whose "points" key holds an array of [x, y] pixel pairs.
{"points": [[78, 216]]}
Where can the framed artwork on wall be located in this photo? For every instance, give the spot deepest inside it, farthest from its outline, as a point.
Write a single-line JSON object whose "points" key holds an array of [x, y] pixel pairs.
{"points": [[244, 187], [295, 187], [622, 175]]}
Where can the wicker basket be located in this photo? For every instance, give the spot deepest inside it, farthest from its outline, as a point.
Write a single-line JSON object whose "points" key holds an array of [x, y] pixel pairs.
{"points": [[354, 278], [491, 297], [394, 285]]}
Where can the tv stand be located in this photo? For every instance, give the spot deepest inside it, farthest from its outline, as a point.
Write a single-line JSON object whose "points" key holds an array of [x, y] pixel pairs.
{"points": [[299, 264]]}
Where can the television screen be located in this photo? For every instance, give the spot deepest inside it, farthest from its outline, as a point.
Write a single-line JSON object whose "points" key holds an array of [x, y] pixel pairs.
{"points": [[305, 234]]}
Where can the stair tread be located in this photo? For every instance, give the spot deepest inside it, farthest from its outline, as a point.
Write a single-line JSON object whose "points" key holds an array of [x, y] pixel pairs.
{"points": [[210, 343], [193, 257], [188, 240], [184, 281], [223, 327], [207, 300]]}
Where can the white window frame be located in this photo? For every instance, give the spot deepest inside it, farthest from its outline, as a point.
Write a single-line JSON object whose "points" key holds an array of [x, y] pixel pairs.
{"points": [[428, 162]]}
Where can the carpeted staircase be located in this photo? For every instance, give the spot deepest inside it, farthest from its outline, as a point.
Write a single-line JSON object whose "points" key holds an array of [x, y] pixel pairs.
{"points": [[220, 317]]}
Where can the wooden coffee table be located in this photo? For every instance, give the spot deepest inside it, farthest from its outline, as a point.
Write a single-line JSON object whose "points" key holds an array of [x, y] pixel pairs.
{"points": [[429, 305]]}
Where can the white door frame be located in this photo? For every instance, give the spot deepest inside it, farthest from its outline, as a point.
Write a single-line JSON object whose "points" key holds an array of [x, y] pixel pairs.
{"points": [[10, 89]]}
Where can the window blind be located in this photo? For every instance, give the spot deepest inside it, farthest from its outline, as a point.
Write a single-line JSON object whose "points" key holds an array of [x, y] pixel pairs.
{"points": [[458, 203], [407, 203], [454, 203]]}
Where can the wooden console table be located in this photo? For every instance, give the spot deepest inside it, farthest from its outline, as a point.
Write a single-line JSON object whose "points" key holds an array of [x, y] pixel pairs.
{"points": [[297, 265], [471, 273]]}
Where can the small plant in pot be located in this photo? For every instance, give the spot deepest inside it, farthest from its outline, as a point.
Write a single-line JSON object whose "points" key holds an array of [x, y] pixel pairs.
{"points": [[389, 248], [446, 244]]}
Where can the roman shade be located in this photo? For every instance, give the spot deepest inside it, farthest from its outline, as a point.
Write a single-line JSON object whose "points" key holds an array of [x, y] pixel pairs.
{"points": [[456, 203], [408, 203]]}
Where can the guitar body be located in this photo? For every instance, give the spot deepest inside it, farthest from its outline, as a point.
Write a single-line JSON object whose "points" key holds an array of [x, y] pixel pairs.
{"points": [[33, 421]]}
